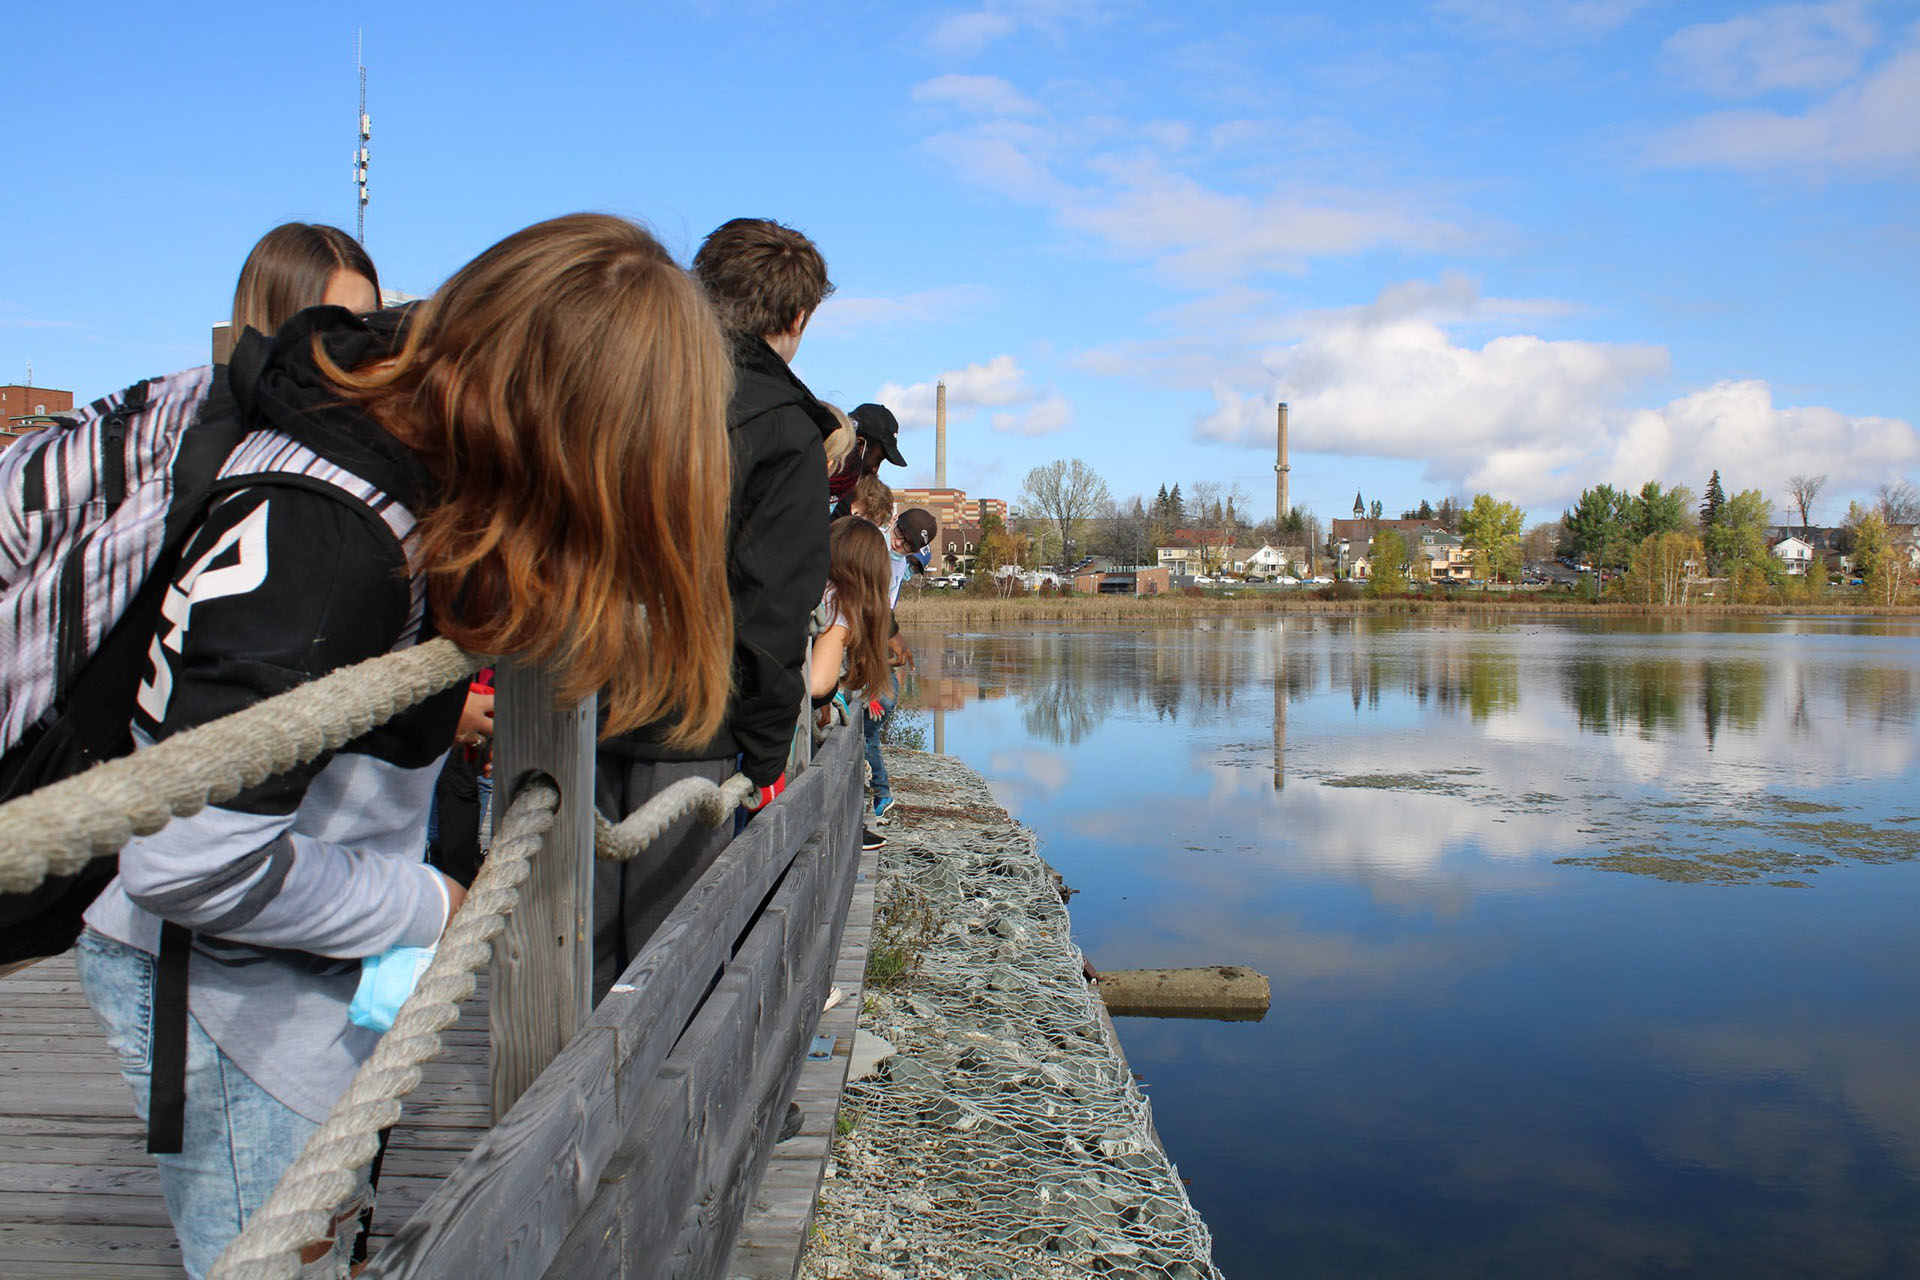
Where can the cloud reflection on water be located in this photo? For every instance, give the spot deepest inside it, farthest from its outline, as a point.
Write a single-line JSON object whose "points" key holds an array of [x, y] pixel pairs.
{"points": [[1480, 1063]]}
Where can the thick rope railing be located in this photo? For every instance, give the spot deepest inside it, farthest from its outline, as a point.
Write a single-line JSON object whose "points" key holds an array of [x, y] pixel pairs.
{"points": [[58, 829], [714, 801], [300, 1210]]}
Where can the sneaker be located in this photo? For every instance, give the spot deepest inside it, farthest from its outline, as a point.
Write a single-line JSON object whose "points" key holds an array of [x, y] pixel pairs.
{"points": [[871, 840], [883, 810]]}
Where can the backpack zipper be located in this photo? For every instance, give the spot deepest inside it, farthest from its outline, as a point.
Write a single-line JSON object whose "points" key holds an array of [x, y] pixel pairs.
{"points": [[113, 460], [73, 622]]}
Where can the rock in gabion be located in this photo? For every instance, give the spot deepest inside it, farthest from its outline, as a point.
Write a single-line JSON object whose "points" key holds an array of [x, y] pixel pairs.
{"points": [[1005, 1137]]}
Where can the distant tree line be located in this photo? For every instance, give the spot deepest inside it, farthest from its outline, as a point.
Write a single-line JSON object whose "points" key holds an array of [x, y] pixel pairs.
{"points": [[1658, 538]]}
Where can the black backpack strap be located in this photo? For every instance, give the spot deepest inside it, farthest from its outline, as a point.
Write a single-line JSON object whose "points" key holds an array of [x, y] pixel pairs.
{"points": [[167, 1087]]}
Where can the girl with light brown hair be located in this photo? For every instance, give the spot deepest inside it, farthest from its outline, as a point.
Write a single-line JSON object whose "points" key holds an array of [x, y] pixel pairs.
{"points": [[533, 462], [851, 652], [299, 265]]}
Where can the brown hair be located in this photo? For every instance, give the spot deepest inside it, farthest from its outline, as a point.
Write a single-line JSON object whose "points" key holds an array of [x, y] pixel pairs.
{"points": [[873, 500], [568, 388], [289, 270], [859, 571], [761, 276]]}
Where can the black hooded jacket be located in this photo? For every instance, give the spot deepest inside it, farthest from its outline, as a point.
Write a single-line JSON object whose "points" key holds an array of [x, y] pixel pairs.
{"points": [[776, 563]]}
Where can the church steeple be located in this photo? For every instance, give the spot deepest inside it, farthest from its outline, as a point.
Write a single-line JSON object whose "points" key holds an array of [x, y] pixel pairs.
{"points": [[1359, 507]]}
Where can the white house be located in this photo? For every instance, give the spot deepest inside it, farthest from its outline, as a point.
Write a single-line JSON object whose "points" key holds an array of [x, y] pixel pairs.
{"points": [[1270, 561], [1795, 553]]}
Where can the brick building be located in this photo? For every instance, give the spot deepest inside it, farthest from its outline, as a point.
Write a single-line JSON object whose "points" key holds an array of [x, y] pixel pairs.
{"points": [[24, 402], [952, 506]]}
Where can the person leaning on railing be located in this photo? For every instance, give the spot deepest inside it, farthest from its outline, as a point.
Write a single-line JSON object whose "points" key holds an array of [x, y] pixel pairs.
{"points": [[765, 281], [551, 426]]}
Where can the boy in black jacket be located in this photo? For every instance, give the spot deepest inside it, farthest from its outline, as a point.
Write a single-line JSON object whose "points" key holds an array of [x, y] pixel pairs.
{"points": [[765, 281]]}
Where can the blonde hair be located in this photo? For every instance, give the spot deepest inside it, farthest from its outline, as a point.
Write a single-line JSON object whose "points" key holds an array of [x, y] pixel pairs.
{"points": [[568, 389], [288, 271], [840, 443], [872, 500]]}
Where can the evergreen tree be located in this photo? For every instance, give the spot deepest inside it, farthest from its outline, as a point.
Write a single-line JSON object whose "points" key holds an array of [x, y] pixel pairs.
{"points": [[1176, 506], [1160, 502], [1711, 504]]}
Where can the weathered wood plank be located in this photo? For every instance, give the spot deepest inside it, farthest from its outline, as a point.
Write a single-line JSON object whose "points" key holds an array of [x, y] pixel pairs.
{"points": [[774, 1234], [730, 1077], [25, 1244], [476, 1224], [527, 1179], [543, 960]]}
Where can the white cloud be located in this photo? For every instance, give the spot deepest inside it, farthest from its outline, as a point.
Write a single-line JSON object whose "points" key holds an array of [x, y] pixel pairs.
{"points": [[1199, 233], [1137, 208], [1529, 418], [1796, 47], [1050, 415], [981, 95], [1873, 122], [968, 33], [999, 383], [842, 314], [1539, 22], [988, 384]]}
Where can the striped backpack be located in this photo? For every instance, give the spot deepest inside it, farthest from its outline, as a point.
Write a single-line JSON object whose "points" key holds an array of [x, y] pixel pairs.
{"points": [[94, 513]]}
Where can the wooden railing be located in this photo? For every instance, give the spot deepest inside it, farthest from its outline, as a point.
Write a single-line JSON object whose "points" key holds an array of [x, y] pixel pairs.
{"points": [[629, 1138]]}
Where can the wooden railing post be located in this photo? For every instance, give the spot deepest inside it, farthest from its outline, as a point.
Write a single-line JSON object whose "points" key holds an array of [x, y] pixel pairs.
{"points": [[543, 961]]}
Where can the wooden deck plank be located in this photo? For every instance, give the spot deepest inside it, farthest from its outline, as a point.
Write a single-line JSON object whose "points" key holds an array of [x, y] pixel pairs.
{"points": [[79, 1195], [773, 1236]]}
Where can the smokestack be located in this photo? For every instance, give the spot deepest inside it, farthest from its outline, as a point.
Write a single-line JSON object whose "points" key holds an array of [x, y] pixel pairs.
{"points": [[940, 436], [1280, 469]]}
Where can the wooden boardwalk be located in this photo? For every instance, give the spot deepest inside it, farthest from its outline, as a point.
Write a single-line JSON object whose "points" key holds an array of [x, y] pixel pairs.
{"points": [[79, 1195]]}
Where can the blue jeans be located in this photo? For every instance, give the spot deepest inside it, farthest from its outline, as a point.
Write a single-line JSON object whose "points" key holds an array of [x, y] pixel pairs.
{"points": [[882, 786], [238, 1139]]}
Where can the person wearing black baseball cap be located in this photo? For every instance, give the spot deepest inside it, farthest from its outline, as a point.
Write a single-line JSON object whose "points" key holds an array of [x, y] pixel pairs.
{"points": [[877, 440]]}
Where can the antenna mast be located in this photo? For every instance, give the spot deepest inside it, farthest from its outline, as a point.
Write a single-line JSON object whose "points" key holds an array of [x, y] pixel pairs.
{"points": [[360, 144]]}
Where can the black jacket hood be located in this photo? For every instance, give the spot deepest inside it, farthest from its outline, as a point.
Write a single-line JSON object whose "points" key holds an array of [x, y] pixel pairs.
{"points": [[278, 384], [764, 382]]}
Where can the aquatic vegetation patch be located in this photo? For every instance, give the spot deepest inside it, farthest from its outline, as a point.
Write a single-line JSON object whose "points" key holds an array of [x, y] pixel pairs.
{"points": [[1694, 866], [1392, 782], [1858, 841], [1787, 804]]}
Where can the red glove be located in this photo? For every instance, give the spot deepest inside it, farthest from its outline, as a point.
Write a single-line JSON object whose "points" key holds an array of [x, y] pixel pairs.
{"points": [[767, 794], [875, 710]]}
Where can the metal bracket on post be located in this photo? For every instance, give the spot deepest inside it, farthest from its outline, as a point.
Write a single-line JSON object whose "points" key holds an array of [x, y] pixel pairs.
{"points": [[542, 970]]}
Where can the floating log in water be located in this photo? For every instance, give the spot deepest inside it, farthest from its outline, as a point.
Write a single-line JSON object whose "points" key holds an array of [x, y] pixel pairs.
{"points": [[1228, 992]]}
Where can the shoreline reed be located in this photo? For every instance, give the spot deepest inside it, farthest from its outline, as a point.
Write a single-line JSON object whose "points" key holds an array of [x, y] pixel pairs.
{"points": [[924, 610]]}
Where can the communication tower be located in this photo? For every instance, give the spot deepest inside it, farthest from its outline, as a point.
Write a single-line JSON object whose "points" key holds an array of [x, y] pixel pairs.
{"points": [[360, 144]]}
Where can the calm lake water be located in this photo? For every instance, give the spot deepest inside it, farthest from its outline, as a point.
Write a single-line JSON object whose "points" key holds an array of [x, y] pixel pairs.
{"points": [[1593, 944]]}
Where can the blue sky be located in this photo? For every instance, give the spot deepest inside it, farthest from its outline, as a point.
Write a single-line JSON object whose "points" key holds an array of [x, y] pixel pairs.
{"points": [[1475, 244]]}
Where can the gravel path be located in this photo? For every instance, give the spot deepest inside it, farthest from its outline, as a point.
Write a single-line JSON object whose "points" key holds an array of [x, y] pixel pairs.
{"points": [[1004, 1138]]}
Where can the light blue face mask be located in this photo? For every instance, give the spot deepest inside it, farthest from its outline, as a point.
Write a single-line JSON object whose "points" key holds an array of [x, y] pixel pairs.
{"points": [[386, 980]]}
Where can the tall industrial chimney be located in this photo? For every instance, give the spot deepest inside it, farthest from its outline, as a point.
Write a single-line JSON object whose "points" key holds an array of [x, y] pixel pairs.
{"points": [[1280, 469], [940, 436]]}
